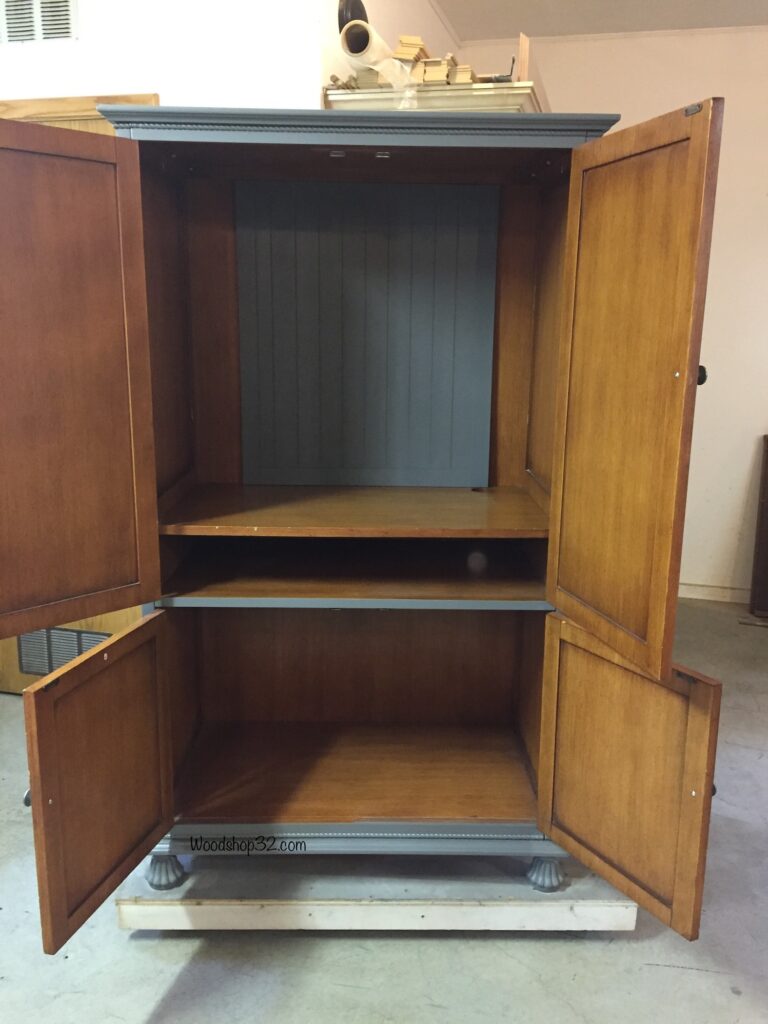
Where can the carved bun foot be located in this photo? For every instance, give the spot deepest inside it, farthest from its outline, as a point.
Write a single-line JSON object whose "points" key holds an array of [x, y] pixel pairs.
{"points": [[545, 874], [165, 872]]}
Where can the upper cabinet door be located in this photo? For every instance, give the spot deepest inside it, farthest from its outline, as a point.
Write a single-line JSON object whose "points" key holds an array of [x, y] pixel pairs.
{"points": [[639, 224], [78, 517], [625, 772], [100, 772]]}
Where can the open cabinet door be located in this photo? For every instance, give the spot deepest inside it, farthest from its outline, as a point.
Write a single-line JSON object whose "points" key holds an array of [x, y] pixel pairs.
{"points": [[78, 516], [637, 247], [99, 750], [625, 775]]}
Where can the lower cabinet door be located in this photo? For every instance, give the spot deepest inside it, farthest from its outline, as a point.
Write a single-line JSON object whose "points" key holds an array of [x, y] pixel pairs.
{"points": [[626, 771], [100, 773]]}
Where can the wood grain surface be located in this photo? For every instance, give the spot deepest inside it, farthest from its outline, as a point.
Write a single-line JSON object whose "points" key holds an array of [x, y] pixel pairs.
{"points": [[626, 772], [99, 757], [78, 530], [383, 568], [640, 215], [250, 772], [355, 512], [385, 667]]}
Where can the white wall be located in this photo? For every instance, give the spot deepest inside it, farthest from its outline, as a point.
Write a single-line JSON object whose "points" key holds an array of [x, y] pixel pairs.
{"points": [[642, 75], [234, 53], [238, 53]]}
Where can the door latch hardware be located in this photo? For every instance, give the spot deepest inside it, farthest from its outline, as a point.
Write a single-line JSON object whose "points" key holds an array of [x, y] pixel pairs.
{"points": [[702, 377]]}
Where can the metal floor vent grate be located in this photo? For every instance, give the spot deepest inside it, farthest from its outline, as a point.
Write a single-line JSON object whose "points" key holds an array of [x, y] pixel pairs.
{"points": [[44, 650]]}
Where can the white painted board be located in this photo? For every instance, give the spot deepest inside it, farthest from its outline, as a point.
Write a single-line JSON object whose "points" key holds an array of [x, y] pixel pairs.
{"points": [[372, 893]]}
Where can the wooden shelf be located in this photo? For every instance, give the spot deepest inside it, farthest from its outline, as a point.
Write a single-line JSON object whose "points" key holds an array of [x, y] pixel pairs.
{"points": [[311, 573], [227, 510], [262, 773]]}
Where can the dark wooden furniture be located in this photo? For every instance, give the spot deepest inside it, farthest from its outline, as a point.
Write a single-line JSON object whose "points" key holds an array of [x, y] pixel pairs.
{"points": [[339, 653], [758, 599]]}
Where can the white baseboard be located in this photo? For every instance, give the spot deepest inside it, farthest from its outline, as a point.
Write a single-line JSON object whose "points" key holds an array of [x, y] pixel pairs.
{"points": [[705, 592]]}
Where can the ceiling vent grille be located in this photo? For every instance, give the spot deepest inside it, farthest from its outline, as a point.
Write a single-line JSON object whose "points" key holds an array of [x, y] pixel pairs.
{"points": [[26, 21]]}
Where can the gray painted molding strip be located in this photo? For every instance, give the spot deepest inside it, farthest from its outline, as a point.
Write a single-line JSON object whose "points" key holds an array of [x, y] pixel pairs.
{"points": [[357, 128], [521, 840], [391, 846], [383, 604]]}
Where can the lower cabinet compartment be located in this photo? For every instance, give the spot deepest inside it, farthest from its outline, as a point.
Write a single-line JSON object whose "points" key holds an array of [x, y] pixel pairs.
{"points": [[288, 772], [320, 716], [389, 731]]}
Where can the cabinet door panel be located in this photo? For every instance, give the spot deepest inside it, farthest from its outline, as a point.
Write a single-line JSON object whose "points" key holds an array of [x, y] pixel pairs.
{"points": [[78, 526], [626, 772], [640, 215], [100, 773]]}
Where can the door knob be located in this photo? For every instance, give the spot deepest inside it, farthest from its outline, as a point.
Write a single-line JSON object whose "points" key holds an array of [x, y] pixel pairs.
{"points": [[702, 378]]}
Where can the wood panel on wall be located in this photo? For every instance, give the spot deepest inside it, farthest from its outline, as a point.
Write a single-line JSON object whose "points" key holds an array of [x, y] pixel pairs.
{"points": [[546, 342], [214, 330], [182, 675], [165, 258], [515, 297], [383, 667], [528, 692], [77, 112]]}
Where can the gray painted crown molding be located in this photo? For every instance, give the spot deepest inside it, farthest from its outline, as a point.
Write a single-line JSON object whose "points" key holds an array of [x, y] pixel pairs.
{"points": [[357, 128]]}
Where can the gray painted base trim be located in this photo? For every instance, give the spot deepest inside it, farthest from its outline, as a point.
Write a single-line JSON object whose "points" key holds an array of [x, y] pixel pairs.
{"points": [[395, 838]]}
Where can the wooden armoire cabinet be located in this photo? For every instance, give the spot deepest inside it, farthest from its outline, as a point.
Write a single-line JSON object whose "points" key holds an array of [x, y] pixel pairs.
{"points": [[388, 415]]}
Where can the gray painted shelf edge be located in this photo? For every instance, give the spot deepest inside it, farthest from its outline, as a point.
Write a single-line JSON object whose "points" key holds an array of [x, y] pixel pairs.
{"points": [[373, 603], [476, 130]]}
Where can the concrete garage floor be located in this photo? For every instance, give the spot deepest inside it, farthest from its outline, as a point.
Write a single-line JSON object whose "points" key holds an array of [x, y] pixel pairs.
{"points": [[650, 975]]}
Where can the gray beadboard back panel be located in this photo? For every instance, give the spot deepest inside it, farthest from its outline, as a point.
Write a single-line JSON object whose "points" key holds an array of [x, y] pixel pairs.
{"points": [[366, 332]]}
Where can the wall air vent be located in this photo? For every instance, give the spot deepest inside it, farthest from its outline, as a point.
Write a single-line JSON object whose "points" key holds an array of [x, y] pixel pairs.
{"points": [[47, 649], [26, 21]]}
